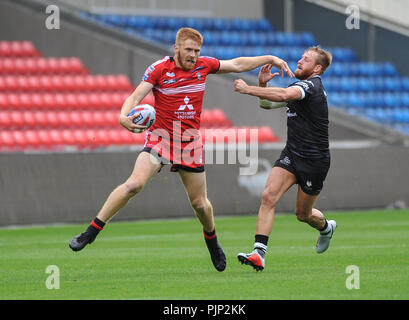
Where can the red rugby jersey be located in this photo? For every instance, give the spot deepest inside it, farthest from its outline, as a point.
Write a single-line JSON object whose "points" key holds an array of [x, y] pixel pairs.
{"points": [[178, 93]]}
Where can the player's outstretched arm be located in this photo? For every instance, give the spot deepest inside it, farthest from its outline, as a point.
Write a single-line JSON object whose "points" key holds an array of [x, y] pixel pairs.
{"points": [[134, 99], [243, 64], [273, 94]]}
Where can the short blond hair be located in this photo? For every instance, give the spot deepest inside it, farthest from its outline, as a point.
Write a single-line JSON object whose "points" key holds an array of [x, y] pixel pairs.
{"points": [[324, 58], [189, 33]]}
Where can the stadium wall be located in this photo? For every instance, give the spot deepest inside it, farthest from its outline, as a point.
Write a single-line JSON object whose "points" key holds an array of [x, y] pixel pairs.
{"points": [[72, 187]]}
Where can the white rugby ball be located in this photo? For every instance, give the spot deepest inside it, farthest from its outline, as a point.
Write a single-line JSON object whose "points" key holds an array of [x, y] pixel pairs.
{"points": [[146, 116]]}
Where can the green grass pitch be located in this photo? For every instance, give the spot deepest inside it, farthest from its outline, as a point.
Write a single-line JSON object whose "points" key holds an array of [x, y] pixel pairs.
{"points": [[168, 259]]}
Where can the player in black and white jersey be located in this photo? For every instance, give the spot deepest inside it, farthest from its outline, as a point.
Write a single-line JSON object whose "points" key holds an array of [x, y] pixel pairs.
{"points": [[305, 159]]}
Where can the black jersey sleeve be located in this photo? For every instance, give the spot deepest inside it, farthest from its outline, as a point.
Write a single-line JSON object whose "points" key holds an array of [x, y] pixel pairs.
{"points": [[306, 86]]}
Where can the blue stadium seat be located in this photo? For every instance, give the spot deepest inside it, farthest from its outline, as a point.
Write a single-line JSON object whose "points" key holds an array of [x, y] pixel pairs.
{"points": [[404, 82], [263, 25], [388, 69]]}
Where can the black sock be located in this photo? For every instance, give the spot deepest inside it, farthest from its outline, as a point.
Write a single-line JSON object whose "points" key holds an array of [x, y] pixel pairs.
{"points": [[260, 244], [96, 226], [325, 226], [211, 239], [209, 235]]}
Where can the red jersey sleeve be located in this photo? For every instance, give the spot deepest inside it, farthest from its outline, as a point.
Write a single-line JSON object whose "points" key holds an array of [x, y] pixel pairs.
{"points": [[153, 72], [212, 63]]}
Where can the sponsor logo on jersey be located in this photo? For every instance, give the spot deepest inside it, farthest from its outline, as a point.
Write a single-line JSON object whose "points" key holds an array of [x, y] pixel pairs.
{"points": [[170, 81], [170, 74], [186, 105], [290, 114], [184, 114], [286, 161], [303, 84]]}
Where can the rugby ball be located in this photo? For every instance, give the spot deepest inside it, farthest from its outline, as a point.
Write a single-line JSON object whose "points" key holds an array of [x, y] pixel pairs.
{"points": [[146, 116]]}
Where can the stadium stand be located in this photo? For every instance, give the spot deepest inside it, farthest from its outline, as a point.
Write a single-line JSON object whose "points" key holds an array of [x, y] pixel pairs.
{"points": [[55, 103], [374, 90]]}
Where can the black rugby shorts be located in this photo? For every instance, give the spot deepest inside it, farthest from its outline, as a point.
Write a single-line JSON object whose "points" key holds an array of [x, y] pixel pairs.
{"points": [[310, 173]]}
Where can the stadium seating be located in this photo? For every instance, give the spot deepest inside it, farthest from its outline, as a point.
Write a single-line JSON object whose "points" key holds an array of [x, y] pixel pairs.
{"points": [[54, 103], [361, 88]]}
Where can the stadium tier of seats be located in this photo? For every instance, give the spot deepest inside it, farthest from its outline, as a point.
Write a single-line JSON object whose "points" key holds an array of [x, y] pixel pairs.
{"points": [[56, 104], [374, 90]]}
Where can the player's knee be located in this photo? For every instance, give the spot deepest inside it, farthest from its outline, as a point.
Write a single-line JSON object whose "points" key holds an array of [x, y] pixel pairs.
{"points": [[200, 205], [301, 215], [133, 187], [269, 199]]}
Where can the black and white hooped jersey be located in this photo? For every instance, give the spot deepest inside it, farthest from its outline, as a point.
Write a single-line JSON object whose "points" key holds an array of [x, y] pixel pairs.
{"points": [[307, 120]]}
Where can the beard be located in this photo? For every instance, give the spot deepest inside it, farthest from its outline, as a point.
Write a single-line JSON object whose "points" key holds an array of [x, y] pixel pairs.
{"points": [[185, 64], [301, 74]]}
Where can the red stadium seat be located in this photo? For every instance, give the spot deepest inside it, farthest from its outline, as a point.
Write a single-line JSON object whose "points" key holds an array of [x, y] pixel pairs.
{"points": [[64, 119], [219, 118], [80, 138], [205, 118], [99, 120], [72, 83], [101, 83], [5, 49], [40, 119], [10, 83], [37, 101], [56, 137], [82, 101], [29, 49], [60, 102], [32, 138], [76, 118], [4, 102], [118, 100], [41, 66], [25, 101], [5, 119], [88, 119], [68, 137], [94, 101], [58, 84], [52, 118], [127, 137], [112, 118], [74, 65], [71, 101], [30, 65], [16, 119], [14, 101], [102, 137], [92, 138], [28, 119], [123, 83], [19, 139], [265, 134], [44, 138], [49, 101], [114, 136], [6, 139]]}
